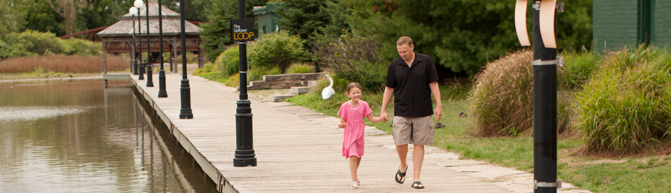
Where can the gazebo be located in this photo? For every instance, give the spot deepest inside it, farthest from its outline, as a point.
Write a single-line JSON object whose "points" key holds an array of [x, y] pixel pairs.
{"points": [[118, 38]]}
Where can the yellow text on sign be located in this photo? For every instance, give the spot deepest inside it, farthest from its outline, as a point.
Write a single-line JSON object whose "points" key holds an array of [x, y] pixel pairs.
{"points": [[243, 35]]}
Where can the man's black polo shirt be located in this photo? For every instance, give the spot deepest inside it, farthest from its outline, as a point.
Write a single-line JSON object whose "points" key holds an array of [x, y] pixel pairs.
{"points": [[412, 95]]}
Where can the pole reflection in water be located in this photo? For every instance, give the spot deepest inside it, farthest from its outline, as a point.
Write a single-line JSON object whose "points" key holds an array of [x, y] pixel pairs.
{"points": [[77, 136]]}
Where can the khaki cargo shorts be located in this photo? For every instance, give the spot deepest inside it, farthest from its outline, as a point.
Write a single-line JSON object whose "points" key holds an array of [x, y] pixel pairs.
{"points": [[413, 130]]}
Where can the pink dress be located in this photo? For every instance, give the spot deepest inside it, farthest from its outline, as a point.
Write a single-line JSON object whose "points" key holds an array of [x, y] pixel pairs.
{"points": [[352, 144]]}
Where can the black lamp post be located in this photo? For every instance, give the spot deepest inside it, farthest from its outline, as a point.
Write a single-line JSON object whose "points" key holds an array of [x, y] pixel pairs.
{"points": [[545, 113], [150, 82], [244, 153], [185, 90], [133, 12], [161, 74], [545, 88], [140, 69]]}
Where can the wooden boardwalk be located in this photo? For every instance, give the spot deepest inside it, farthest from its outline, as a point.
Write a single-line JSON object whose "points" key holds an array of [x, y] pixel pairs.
{"points": [[299, 150]]}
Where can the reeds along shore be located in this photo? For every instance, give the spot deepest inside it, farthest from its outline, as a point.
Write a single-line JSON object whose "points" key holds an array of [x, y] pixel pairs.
{"points": [[63, 64]]}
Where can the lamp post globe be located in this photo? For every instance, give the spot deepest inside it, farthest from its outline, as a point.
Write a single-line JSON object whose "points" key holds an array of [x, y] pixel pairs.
{"points": [[138, 4]]}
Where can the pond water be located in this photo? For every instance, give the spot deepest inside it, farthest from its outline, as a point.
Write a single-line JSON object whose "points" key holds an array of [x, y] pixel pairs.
{"points": [[78, 136]]}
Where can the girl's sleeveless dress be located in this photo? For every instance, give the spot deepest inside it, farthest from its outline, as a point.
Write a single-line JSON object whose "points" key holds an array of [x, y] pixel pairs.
{"points": [[353, 142]]}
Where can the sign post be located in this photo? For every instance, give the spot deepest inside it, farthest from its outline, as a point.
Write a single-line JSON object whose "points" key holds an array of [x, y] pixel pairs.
{"points": [[242, 30]]}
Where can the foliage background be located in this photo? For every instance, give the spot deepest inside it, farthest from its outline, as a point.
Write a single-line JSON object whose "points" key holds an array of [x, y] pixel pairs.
{"points": [[461, 35]]}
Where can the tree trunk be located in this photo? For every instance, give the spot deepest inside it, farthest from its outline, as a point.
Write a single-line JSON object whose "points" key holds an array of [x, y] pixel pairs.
{"points": [[72, 16]]}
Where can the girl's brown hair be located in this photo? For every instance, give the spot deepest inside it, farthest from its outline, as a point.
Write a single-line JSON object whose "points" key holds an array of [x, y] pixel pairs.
{"points": [[353, 85]]}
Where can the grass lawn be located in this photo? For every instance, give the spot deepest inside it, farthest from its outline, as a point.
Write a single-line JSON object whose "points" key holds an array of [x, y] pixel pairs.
{"points": [[638, 173]]}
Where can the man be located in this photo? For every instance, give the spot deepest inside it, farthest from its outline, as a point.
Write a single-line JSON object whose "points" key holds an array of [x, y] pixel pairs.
{"points": [[412, 79]]}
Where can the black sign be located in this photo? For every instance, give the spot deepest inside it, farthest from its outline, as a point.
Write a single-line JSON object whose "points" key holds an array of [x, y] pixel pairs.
{"points": [[242, 29]]}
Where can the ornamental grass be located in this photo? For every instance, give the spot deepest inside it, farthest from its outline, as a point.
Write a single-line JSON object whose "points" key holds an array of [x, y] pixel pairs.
{"points": [[63, 64], [625, 107], [501, 100]]}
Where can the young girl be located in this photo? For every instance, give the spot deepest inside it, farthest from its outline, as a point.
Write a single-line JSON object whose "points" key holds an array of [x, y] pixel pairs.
{"points": [[352, 113]]}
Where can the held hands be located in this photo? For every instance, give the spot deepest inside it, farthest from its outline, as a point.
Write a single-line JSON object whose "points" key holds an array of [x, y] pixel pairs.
{"points": [[383, 116]]}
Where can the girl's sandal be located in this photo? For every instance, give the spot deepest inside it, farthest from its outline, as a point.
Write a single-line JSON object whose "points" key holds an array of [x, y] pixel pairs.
{"points": [[355, 185], [357, 180]]}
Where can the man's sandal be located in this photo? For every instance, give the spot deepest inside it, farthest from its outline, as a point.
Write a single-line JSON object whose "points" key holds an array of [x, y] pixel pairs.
{"points": [[355, 185], [400, 176], [417, 185]]}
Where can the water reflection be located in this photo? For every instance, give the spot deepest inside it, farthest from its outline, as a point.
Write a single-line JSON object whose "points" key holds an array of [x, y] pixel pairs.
{"points": [[77, 136]]}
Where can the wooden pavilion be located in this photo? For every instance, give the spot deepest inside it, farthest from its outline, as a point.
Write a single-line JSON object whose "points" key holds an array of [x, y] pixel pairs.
{"points": [[119, 38]]}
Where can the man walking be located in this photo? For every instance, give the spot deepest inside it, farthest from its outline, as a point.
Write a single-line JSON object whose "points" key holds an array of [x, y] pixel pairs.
{"points": [[412, 79]]}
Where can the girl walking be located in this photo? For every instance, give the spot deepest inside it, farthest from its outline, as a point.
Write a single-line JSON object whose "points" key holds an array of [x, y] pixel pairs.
{"points": [[351, 115]]}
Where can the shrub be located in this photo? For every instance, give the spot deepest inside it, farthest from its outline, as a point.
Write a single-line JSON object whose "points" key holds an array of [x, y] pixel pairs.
{"points": [[276, 50], [300, 68], [353, 58], [625, 106], [33, 43], [74, 46], [502, 96], [228, 62]]}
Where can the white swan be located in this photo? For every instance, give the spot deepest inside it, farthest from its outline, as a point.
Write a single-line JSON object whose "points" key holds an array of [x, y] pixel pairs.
{"points": [[328, 91]]}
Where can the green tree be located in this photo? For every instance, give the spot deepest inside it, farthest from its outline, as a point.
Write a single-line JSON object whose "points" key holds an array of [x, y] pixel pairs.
{"points": [[574, 25], [100, 13], [338, 18], [195, 10], [68, 10], [40, 17], [304, 18], [216, 34], [461, 35], [11, 19]]}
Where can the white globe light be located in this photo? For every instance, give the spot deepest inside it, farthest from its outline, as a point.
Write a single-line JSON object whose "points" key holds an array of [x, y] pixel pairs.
{"points": [[133, 11], [138, 4]]}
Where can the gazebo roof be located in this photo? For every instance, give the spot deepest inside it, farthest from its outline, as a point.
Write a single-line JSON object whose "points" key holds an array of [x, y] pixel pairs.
{"points": [[170, 22]]}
